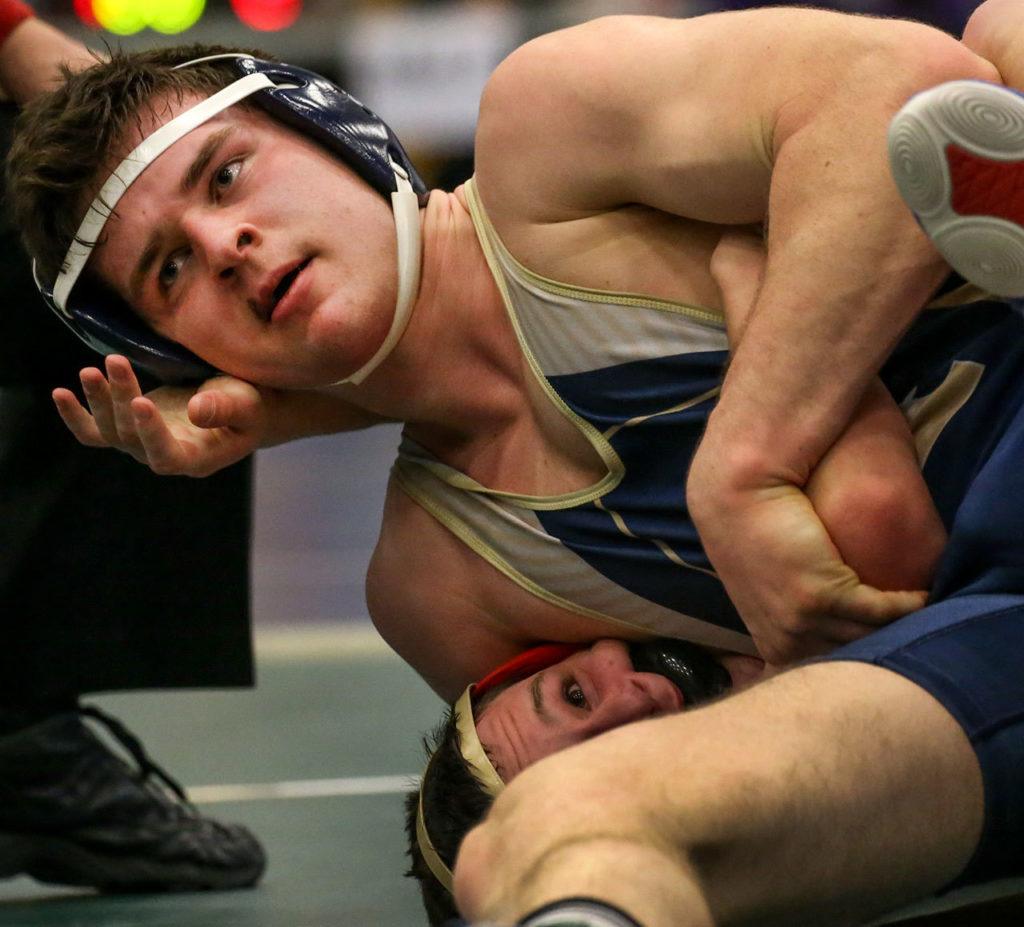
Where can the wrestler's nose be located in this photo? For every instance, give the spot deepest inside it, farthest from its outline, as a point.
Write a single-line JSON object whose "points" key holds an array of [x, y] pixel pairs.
{"points": [[632, 697], [223, 243]]}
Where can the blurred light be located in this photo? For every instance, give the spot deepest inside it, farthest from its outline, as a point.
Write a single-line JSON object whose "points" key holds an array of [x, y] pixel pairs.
{"points": [[173, 16], [126, 17], [83, 10], [122, 17], [267, 15]]}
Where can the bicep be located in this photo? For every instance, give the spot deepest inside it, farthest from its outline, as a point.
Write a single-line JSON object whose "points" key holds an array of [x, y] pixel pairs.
{"points": [[677, 114], [614, 112], [683, 115]]}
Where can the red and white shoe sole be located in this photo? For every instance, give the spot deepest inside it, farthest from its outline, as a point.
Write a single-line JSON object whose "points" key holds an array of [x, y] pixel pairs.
{"points": [[957, 155]]}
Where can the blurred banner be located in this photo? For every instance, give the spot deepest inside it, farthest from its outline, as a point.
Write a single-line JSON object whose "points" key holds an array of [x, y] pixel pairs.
{"points": [[426, 66]]}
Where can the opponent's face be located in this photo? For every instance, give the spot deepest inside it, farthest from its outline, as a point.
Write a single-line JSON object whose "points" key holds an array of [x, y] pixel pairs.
{"points": [[256, 249], [584, 695]]}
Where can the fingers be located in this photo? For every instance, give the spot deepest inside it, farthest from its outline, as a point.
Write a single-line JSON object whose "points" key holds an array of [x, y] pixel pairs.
{"points": [[162, 451], [213, 408], [78, 421], [855, 614], [123, 389], [109, 398], [874, 608], [98, 398], [225, 403]]}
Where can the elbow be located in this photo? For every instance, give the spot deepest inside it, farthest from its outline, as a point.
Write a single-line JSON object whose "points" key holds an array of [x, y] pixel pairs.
{"points": [[888, 533]]}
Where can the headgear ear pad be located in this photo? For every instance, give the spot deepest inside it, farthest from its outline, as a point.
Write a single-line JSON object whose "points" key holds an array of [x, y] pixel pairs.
{"points": [[693, 670], [105, 322], [306, 102]]}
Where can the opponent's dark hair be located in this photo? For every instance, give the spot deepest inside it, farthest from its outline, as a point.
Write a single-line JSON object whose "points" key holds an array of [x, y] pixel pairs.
{"points": [[68, 139], [454, 802]]}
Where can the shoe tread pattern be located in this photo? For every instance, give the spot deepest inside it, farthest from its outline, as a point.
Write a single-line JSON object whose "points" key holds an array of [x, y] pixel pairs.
{"points": [[957, 156]]}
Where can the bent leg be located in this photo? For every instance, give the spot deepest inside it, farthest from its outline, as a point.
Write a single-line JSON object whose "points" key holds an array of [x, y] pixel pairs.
{"points": [[965, 652], [826, 795]]}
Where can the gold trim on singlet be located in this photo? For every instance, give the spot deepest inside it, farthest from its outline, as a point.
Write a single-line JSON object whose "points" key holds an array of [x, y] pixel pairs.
{"points": [[564, 329], [930, 414], [961, 296], [512, 540]]}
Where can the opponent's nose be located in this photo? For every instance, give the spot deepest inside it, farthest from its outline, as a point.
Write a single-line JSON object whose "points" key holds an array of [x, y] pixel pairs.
{"points": [[632, 697]]}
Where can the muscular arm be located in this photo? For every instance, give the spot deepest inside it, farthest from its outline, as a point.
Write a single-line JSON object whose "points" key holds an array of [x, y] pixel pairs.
{"points": [[868, 489], [776, 115], [785, 803]]}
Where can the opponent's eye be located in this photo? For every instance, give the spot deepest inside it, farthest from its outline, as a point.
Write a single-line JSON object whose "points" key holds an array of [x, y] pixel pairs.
{"points": [[170, 270], [573, 694], [224, 177]]}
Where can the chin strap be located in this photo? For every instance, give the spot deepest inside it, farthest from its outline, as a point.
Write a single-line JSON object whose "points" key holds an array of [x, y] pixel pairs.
{"points": [[406, 208]]}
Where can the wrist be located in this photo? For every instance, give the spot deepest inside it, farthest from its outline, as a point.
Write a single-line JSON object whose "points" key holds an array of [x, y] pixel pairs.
{"points": [[12, 14], [740, 453]]}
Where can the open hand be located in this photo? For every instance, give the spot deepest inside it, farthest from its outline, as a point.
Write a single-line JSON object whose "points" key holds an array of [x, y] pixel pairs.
{"points": [[173, 430]]}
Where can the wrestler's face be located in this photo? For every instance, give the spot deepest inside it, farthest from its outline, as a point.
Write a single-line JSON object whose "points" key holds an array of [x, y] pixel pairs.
{"points": [[255, 248], [584, 695]]}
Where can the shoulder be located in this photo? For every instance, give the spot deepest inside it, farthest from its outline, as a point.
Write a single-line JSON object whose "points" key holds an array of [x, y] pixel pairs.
{"points": [[547, 114]]}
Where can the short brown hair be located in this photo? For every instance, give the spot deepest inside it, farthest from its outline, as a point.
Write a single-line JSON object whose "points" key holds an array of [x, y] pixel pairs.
{"points": [[66, 138], [454, 802]]}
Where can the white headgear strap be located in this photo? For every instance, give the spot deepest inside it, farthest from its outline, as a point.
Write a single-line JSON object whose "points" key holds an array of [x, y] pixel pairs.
{"points": [[404, 203], [129, 170], [406, 208]]}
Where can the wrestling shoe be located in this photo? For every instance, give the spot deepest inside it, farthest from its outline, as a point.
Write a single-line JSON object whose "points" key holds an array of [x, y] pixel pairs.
{"points": [[74, 813], [957, 155]]}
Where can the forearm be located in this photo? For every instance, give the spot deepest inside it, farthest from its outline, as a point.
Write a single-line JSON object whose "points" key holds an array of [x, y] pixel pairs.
{"points": [[826, 795], [846, 272], [31, 56], [847, 267], [295, 414]]}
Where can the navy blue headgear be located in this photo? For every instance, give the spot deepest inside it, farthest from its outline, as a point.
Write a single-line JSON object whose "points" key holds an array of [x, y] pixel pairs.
{"points": [[301, 99]]}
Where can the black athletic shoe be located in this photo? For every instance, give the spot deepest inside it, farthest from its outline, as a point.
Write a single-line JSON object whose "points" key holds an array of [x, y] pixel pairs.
{"points": [[73, 813]]}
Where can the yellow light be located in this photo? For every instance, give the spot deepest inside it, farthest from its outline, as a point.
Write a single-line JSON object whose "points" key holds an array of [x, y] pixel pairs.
{"points": [[122, 17]]}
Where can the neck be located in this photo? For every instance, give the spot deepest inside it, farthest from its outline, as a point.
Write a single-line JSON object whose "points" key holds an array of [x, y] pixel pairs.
{"points": [[457, 363]]}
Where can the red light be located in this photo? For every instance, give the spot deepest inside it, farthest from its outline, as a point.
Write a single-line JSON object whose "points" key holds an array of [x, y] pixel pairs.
{"points": [[83, 10], [267, 15]]}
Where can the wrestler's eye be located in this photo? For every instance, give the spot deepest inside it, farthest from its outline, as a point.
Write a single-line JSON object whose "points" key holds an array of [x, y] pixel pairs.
{"points": [[224, 177], [170, 270], [573, 694]]}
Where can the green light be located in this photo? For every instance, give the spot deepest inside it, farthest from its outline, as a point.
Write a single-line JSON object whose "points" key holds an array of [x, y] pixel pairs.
{"points": [[125, 17], [173, 16]]}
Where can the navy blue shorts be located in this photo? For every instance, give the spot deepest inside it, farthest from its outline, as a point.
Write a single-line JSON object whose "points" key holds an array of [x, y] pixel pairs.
{"points": [[967, 647], [967, 652]]}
